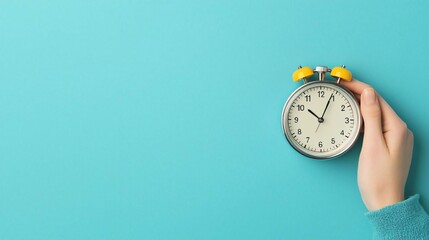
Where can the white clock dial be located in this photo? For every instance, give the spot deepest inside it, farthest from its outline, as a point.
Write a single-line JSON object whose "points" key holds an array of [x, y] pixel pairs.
{"points": [[321, 119]]}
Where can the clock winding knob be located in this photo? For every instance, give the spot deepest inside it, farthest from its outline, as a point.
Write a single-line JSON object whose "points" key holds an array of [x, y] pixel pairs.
{"points": [[321, 70]]}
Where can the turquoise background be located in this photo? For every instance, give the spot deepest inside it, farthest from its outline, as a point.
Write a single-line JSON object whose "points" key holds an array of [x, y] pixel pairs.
{"points": [[161, 119]]}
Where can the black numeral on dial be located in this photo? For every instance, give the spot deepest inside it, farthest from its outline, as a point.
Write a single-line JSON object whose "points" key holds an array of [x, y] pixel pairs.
{"points": [[347, 120]]}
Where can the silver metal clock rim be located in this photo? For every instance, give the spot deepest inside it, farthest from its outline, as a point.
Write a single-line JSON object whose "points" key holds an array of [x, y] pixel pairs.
{"points": [[289, 136]]}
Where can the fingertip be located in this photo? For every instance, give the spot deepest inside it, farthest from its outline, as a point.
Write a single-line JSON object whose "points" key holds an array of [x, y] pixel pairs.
{"points": [[371, 112], [369, 96]]}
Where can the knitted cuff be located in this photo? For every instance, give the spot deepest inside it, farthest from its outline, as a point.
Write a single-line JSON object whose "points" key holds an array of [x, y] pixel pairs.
{"points": [[403, 220]]}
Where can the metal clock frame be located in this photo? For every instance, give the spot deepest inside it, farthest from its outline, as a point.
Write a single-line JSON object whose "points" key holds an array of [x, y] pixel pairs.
{"points": [[288, 134]]}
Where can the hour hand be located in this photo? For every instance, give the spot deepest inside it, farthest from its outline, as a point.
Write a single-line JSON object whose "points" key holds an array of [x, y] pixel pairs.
{"points": [[313, 114]]}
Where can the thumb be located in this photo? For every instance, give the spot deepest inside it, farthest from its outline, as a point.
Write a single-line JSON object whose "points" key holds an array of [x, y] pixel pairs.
{"points": [[371, 112]]}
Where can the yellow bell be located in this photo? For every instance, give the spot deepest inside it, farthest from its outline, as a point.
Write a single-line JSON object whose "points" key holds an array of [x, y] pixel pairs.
{"points": [[342, 73], [302, 73]]}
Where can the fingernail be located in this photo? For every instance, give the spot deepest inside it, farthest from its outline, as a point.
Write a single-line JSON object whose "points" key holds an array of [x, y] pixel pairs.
{"points": [[369, 96]]}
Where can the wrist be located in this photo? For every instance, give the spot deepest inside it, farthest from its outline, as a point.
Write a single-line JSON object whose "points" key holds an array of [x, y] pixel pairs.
{"points": [[384, 201]]}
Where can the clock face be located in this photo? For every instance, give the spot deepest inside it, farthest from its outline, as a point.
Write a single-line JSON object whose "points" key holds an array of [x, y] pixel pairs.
{"points": [[321, 120]]}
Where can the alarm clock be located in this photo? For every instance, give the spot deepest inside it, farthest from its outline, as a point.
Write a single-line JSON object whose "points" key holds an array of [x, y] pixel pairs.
{"points": [[321, 119]]}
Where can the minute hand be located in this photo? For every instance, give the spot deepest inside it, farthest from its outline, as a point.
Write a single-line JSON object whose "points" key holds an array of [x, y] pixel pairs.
{"points": [[326, 107]]}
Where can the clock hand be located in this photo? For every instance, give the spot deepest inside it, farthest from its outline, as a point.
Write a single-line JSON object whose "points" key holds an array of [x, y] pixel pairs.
{"points": [[327, 104], [324, 111], [313, 114], [318, 126]]}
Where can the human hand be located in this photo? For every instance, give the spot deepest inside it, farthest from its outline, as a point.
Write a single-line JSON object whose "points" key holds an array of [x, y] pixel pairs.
{"points": [[386, 153]]}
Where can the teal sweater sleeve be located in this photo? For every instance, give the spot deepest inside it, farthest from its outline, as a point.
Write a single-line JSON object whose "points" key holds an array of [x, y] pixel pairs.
{"points": [[404, 220]]}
